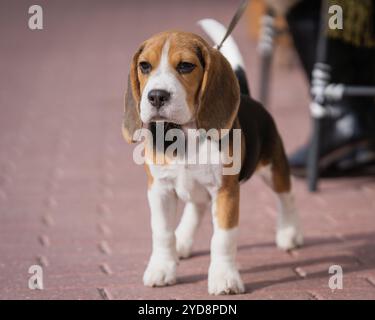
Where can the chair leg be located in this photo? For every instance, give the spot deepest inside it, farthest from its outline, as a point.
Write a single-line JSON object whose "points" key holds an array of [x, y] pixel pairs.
{"points": [[265, 49], [321, 76], [265, 76], [312, 163]]}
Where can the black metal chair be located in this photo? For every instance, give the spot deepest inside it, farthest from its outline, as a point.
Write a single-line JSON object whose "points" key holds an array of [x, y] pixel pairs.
{"points": [[322, 90], [268, 32]]}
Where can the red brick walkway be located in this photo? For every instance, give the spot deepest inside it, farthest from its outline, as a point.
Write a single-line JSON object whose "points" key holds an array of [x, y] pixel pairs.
{"points": [[73, 201]]}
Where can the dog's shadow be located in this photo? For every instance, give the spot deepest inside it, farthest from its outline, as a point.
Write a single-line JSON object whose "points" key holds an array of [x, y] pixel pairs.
{"points": [[357, 257]]}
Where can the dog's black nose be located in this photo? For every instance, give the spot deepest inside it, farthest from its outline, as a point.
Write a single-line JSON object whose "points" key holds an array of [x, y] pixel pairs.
{"points": [[158, 97]]}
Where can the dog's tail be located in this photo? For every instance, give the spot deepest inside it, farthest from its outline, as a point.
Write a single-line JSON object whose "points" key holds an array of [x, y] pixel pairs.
{"points": [[216, 31]]}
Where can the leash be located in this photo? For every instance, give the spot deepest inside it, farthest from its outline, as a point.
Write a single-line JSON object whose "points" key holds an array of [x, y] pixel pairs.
{"points": [[241, 9]]}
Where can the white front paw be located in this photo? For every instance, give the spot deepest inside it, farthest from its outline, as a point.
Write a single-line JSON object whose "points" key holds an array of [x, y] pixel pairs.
{"points": [[288, 238], [160, 272], [224, 278], [183, 246]]}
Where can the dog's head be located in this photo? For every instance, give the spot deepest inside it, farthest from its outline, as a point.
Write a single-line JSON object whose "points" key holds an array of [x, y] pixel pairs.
{"points": [[177, 77]]}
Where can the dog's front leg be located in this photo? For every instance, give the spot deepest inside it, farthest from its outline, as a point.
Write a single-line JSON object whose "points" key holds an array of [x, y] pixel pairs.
{"points": [[161, 269], [223, 276]]}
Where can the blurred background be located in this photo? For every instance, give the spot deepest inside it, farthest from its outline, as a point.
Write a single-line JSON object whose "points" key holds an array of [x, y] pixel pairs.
{"points": [[73, 201]]}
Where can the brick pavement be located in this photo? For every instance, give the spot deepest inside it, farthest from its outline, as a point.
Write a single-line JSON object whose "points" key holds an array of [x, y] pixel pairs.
{"points": [[73, 201]]}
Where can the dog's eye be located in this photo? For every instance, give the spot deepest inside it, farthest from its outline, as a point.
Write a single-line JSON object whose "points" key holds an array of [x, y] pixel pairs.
{"points": [[145, 67], [185, 67]]}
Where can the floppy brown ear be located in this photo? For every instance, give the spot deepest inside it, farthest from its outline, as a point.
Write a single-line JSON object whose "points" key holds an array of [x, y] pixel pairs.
{"points": [[132, 120], [219, 94]]}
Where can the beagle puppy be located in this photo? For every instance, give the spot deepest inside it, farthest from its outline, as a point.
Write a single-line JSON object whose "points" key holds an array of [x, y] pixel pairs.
{"points": [[178, 79]]}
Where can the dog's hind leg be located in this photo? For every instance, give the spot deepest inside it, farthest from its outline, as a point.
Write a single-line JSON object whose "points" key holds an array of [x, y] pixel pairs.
{"points": [[276, 174], [185, 232]]}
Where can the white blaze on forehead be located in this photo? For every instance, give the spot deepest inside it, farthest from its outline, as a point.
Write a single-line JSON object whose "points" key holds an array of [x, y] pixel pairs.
{"points": [[164, 61], [164, 78]]}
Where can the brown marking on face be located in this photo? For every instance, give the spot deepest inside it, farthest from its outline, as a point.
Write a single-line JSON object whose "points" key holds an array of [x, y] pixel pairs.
{"points": [[212, 90], [151, 53], [183, 47]]}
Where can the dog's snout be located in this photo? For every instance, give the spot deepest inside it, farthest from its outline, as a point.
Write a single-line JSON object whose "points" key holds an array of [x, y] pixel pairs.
{"points": [[158, 97]]}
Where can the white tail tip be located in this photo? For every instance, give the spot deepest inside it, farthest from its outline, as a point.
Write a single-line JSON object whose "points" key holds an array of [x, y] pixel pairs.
{"points": [[216, 31]]}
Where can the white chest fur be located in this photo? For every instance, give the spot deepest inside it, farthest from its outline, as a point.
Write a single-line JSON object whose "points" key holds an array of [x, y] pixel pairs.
{"points": [[192, 182]]}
